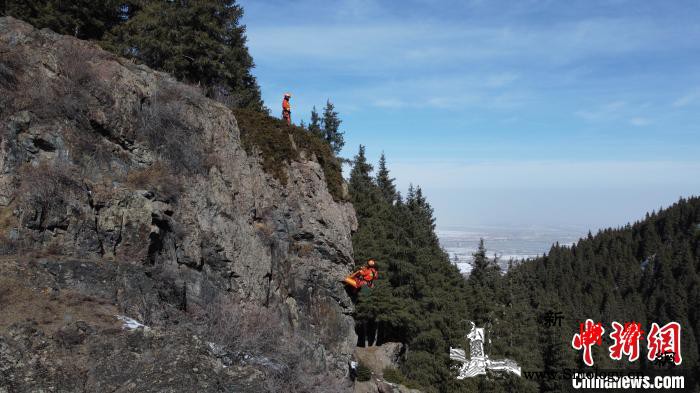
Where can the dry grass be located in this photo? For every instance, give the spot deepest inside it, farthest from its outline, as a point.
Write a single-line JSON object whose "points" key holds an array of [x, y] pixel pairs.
{"points": [[8, 221], [270, 137], [7, 218], [303, 249], [7, 245], [148, 177], [49, 322], [264, 229], [158, 179], [50, 308], [249, 328]]}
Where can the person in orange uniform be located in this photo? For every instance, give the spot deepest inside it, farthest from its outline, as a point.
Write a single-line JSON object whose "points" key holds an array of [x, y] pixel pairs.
{"points": [[287, 109], [368, 274]]}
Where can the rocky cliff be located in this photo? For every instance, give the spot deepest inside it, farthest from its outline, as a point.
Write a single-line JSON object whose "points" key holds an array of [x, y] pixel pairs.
{"points": [[125, 193]]}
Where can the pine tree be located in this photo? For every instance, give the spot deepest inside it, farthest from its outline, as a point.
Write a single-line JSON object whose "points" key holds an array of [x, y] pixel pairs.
{"points": [[363, 191], [423, 231], [385, 182], [481, 264], [331, 128], [84, 19], [552, 350], [419, 297], [200, 42], [315, 124], [485, 285]]}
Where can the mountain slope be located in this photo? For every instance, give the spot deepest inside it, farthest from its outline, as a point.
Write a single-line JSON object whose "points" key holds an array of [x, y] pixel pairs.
{"points": [[645, 272], [121, 187]]}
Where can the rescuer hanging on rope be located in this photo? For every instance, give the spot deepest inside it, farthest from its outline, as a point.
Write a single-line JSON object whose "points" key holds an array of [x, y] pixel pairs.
{"points": [[287, 109], [363, 277]]}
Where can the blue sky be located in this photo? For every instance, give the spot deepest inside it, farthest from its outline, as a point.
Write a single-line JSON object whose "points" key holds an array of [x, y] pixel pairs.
{"points": [[520, 113]]}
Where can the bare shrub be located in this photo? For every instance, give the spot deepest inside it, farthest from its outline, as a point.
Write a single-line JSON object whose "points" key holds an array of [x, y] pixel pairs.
{"points": [[297, 381], [158, 179], [229, 97], [53, 249], [36, 96], [89, 152], [77, 93], [74, 89], [300, 374], [8, 71], [42, 98], [73, 65], [134, 302], [165, 129], [238, 326], [8, 246], [46, 193], [50, 98], [259, 332]]}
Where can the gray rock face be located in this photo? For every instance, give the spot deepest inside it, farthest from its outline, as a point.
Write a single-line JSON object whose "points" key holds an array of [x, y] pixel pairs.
{"points": [[107, 161], [378, 358]]}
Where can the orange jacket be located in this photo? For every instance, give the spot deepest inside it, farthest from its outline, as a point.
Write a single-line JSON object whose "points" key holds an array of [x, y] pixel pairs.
{"points": [[285, 106], [368, 274]]}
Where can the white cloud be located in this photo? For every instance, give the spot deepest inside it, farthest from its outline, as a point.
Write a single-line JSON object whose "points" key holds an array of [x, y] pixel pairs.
{"points": [[448, 92], [414, 44], [617, 111], [356, 8], [609, 111], [639, 121], [687, 99], [512, 175], [390, 103], [501, 80]]}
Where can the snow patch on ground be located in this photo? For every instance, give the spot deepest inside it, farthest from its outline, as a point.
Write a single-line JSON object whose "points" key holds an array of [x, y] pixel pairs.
{"points": [[131, 323]]}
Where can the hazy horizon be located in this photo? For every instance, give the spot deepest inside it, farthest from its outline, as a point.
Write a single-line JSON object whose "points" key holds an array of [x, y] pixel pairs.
{"points": [[503, 243]]}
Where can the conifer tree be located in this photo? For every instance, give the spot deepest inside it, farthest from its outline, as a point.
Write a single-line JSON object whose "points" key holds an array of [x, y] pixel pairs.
{"points": [[363, 190], [199, 42], [480, 264], [331, 128], [315, 124], [84, 19], [385, 182]]}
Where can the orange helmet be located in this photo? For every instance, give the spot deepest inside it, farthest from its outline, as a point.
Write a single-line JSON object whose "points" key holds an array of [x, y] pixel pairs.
{"points": [[372, 263]]}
